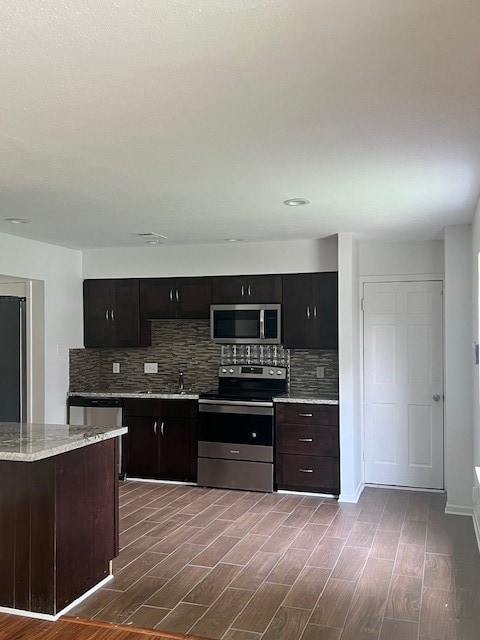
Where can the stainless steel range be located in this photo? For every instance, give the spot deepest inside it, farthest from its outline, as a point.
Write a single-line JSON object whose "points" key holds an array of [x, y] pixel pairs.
{"points": [[236, 428]]}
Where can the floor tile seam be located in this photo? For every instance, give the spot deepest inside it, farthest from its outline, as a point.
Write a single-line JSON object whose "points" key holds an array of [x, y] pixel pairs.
{"points": [[423, 583], [135, 524], [316, 601], [287, 607], [194, 584], [145, 575], [217, 598]]}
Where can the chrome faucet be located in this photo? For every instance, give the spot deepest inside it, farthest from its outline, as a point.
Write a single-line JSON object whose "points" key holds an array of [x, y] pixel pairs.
{"points": [[181, 384]]}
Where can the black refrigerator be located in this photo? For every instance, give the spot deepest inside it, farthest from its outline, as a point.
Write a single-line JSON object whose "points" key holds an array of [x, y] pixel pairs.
{"points": [[12, 359]]}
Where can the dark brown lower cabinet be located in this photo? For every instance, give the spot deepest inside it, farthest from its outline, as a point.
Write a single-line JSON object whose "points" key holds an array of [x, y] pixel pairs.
{"points": [[161, 442], [307, 448], [59, 526]]}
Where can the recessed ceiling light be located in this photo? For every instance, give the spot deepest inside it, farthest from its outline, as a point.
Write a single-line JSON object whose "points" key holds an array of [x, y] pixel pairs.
{"points": [[17, 220], [233, 239], [296, 202]]}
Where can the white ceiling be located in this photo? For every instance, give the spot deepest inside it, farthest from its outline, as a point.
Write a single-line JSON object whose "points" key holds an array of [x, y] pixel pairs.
{"points": [[197, 118]]}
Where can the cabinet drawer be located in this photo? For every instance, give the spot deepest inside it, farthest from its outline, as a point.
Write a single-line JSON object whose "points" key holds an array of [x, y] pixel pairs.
{"points": [[306, 440], [141, 407], [313, 473], [179, 408], [307, 413]]}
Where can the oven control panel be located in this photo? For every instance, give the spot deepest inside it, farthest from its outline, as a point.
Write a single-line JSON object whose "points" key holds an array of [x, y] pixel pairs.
{"points": [[252, 371]]}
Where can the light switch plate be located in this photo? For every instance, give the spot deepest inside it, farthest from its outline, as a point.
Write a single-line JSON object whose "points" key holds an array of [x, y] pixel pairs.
{"points": [[116, 367], [150, 367], [321, 372]]}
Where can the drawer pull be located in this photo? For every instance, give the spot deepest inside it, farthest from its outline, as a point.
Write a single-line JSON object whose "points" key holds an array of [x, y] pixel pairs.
{"points": [[234, 451], [306, 415], [306, 470], [305, 439]]}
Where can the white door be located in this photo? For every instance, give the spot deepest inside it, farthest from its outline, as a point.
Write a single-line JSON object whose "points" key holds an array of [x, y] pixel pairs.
{"points": [[403, 384]]}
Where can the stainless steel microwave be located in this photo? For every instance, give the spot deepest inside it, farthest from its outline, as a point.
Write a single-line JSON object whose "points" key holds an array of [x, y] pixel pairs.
{"points": [[246, 323]]}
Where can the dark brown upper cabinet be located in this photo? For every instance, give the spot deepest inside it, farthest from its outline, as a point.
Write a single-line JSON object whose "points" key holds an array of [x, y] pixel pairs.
{"points": [[166, 298], [247, 289], [111, 314], [310, 310]]}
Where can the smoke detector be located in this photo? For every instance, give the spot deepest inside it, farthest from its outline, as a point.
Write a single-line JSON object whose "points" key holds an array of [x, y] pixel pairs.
{"points": [[151, 237]]}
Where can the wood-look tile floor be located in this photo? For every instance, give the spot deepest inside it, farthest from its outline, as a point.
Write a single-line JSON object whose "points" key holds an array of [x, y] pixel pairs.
{"points": [[252, 566]]}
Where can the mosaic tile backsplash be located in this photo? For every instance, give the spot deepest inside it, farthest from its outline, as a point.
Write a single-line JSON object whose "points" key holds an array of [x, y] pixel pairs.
{"points": [[185, 345]]}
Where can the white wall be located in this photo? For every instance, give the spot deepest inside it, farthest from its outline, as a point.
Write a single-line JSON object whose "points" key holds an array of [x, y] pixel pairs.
{"points": [[215, 259], [401, 258], [349, 368], [61, 271], [475, 234], [458, 369]]}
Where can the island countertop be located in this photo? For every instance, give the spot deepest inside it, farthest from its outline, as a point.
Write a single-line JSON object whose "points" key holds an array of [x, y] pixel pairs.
{"points": [[30, 442]]}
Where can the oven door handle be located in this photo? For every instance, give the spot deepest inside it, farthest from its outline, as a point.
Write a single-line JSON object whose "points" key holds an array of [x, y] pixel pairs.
{"points": [[262, 324], [242, 408]]}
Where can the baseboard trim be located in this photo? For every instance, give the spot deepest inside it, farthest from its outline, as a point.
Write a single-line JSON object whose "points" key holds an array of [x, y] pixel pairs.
{"points": [[54, 618], [458, 510], [352, 497]]}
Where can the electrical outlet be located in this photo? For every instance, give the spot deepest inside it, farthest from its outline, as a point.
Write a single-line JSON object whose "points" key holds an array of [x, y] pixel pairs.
{"points": [[116, 367], [150, 367], [321, 372]]}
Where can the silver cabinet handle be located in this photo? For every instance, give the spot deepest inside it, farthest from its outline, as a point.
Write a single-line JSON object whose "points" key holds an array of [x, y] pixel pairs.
{"points": [[234, 451], [308, 312], [305, 439], [306, 470], [177, 297], [112, 317], [106, 315], [315, 311], [243, 290], [262, 324], [155, 427], [161, 428], [306, 415], [171, 295], [249, 290]]}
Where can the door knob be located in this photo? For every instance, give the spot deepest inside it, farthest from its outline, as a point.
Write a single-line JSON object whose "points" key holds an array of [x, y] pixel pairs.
{"points": [[436, 397]]}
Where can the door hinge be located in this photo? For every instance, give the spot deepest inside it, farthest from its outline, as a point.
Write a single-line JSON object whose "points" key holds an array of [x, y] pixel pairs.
{"points": [[362, 304]]}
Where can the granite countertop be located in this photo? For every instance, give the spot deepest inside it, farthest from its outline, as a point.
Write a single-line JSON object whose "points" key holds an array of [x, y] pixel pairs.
{"points": [[158, 395], [31, 442], [294, 396], [308, 397]]}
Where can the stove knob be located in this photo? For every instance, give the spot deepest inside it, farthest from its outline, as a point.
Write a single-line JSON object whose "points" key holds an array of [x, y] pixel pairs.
{"points": [[231, 371], [271, 372], [279, 373], [224, 371]]}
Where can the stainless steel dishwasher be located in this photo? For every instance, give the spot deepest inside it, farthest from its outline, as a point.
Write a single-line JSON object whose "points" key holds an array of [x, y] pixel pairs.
{"points": [[97, 412]]}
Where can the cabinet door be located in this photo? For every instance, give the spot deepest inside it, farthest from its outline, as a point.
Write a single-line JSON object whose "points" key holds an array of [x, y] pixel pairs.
{"points": [[229, 290], [140, 457], [127, 328], [158, 298], [322, 328], [263, 289], [178, 449], [297, 294], [97, 305], [195, 297]]}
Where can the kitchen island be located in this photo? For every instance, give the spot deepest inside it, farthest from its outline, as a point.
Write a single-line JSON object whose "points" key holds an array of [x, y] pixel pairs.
{"points": [[58, 514]]}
